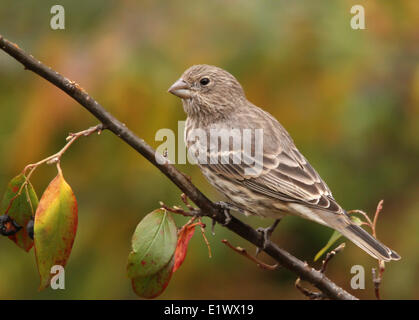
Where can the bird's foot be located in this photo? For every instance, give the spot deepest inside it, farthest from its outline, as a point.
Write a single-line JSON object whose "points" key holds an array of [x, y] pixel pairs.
{"points": [[267, 233], [226, 207]]}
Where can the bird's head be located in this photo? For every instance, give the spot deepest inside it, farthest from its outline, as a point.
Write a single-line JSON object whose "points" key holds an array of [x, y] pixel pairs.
{"points": [[206, 89]]}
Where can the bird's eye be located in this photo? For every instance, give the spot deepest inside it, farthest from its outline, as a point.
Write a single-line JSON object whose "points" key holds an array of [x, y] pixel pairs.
{"points": [[204, 81]]}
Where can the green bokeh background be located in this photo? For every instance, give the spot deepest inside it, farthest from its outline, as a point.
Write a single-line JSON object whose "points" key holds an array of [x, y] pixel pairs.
{"points": [[350, 99]]}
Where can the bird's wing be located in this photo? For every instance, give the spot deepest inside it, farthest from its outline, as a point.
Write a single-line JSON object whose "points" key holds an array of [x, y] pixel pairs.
{"points": [[285, 175]]}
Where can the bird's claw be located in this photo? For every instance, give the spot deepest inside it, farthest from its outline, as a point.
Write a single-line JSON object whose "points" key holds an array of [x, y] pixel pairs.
{"points": [[266, 239], [267, 233], [226, 207]]}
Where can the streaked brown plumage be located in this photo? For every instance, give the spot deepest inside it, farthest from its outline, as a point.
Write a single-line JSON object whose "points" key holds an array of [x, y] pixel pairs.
{"points": [[215, 101]]}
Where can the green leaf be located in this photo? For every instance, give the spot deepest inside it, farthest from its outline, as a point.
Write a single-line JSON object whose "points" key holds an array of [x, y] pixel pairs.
{"points": [[152, 286], [55, 227], [153, 244], [335, 237], [21, 209], [356, 220]]}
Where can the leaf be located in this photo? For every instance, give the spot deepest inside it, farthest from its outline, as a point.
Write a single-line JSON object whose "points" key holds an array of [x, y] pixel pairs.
{"points": [[185, 234], [335, 237], [150, 264], [153, 244], [22, 209], [55, 227], [357, 220], [152, 286]]}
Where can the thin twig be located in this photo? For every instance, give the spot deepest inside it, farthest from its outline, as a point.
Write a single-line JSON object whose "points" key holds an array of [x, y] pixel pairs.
{"points": [[194, 212], [55, 158], [381, 264], [376, 281], [244, 253], [185, 200], [376, 278], [377, 213], [72, 137], [330, 255], [191, 224], [202, 227], [369, 222], [177, 210], [312, 295]]}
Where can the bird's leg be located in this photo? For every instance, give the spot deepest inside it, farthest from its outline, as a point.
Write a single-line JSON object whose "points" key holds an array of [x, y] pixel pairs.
{"points": [[266, 232], [226, 207]]}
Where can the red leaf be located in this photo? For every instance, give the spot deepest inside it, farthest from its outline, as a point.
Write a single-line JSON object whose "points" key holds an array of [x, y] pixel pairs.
{"points": [[185, 234]]}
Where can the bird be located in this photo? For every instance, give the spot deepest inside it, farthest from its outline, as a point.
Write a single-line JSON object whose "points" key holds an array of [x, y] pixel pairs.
{"points": [[283, 183]]}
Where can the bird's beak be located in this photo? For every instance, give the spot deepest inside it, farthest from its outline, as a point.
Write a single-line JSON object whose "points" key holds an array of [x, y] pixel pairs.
{"points": [[181, 89]]}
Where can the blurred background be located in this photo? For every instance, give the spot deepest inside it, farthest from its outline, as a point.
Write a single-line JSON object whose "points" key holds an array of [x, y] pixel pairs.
{"points": [[349, 98]]}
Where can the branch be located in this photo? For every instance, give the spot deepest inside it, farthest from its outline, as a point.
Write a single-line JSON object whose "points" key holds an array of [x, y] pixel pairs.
{"points": [[312, 295], [207, 208], [330, 255]]}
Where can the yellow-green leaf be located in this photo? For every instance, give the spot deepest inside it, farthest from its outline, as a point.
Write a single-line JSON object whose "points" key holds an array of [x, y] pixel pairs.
{"points": [[55, 228], [335, 237]]}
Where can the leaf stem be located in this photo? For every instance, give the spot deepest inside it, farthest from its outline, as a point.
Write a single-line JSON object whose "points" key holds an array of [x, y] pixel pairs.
{"points": [[55, 158]]}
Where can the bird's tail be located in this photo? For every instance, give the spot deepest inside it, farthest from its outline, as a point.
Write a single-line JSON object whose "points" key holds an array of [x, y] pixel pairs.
{"points": [[368, 243], [360, 237]]}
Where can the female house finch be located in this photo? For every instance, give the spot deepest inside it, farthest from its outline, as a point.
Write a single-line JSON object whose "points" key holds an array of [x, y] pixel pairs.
{"points": [[285, 182]]}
